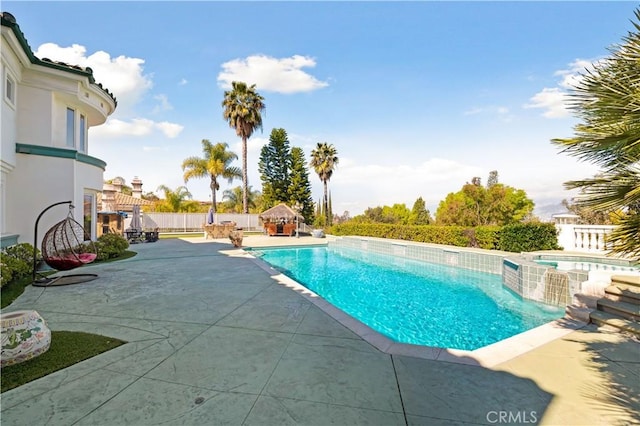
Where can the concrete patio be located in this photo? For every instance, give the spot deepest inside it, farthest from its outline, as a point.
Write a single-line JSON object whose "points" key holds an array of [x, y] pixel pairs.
{"points": [[213, 338]]}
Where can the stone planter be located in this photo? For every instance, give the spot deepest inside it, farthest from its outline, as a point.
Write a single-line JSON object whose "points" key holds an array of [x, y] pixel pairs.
{"points": [[24, 335], [317, 233], [236, 237]]}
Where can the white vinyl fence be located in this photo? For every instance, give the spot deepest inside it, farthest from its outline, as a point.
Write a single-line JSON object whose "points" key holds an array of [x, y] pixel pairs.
{"points": [[192, 222]]}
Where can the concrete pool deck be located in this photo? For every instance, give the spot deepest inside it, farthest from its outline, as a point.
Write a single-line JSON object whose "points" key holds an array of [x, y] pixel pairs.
{"points": [[216, 339]]}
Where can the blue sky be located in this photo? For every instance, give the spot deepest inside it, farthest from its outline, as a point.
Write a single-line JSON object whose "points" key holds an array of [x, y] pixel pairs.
{"points": [[417, 97]]}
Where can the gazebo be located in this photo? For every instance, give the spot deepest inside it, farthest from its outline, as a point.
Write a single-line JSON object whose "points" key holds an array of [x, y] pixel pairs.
{"points": [[280, 220]]}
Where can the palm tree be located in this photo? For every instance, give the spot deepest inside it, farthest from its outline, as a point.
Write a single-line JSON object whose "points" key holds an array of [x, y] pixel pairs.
{"points": [[216, 163], [324, 159], [243, 108], [233, 198], [608, 102], [174, 199]]}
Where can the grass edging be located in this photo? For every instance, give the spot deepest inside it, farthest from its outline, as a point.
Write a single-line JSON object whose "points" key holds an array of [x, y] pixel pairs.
{"points": [[67, 348]]}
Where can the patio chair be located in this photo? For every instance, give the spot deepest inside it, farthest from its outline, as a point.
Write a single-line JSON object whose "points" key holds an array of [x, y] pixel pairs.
{"points": [[65, 246]]}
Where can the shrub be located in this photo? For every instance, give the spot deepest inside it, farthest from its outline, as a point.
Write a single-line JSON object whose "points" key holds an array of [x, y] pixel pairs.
{"points": [[513, 238], [529, 237], [111, 245], [6, 270], [16, 262]]}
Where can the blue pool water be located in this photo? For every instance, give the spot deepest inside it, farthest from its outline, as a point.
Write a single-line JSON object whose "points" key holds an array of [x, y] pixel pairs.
{"points": [[411, 301]]}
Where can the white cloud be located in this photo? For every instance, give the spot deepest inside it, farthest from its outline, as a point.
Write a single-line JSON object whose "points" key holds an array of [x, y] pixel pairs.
{"points": [[432, 180], [284, 75], [124, 77], [115, 127], [501, 112], [474, 111], [183, 82], [138, 127], [153, 148], [163, 103], [170, 130], [552, 100], [555, 100]]}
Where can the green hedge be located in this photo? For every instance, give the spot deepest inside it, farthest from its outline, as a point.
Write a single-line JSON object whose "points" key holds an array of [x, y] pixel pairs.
{"points": [[16, 262], [529, 237], [513, 238]]}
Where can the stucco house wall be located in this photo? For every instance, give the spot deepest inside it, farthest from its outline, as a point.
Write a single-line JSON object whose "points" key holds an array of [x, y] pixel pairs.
{"points": [[47, 110]]}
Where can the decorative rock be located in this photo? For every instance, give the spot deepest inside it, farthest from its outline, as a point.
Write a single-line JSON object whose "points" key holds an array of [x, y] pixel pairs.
{"points": [[24, 335]]}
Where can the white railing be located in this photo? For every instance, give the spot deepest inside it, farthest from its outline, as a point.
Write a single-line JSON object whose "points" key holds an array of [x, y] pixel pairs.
{"points": [[584, 238]]}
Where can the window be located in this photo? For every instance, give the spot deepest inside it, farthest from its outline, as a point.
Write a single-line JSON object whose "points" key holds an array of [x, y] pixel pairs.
{"points": [[88, 216], [9, 88], [83, 134], [71, 128]]}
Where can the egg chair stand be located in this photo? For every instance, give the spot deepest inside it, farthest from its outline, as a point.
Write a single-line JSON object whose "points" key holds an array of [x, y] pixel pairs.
{"points": [[63, 248]]}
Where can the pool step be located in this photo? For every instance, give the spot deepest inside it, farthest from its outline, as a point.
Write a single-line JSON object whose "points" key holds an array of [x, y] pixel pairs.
{"points": [[582, 300], [623, 293], [620, 306], [578, 313], [626, 310], [629, 280], [609, 320]]}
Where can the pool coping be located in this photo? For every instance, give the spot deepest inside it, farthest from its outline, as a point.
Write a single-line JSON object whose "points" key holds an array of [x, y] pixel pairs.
{"points": [[487, 356]]}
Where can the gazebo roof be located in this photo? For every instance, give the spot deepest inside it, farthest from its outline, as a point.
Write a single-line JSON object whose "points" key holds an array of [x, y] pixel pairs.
{"points": [[276, 212]]}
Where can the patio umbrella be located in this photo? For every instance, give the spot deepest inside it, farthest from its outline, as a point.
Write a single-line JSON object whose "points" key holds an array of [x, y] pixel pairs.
{"points": [[210, 217], [136, 223]]}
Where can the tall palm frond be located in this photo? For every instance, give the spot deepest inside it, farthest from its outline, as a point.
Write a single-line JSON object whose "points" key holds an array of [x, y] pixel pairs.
{"points": [[242, 109], [607, 100], [324, 159], [174, 199], [215, 164]]}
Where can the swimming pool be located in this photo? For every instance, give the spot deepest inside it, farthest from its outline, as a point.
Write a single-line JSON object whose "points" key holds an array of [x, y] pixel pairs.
{"points": [[412, 301]]}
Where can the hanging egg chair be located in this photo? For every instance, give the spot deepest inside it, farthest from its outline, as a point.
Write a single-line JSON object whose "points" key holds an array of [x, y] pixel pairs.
{"points": [[65, 246]]}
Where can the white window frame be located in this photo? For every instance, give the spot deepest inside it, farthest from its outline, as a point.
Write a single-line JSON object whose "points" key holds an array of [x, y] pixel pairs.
{"points": [[70, 141], [83, 134], [92, 213], [9, 88]]}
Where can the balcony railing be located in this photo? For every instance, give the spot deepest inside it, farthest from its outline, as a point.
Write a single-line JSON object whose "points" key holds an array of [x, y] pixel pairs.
{"points": [[584, 238]]}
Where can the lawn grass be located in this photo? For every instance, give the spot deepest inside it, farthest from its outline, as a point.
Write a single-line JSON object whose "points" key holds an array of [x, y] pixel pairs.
{"points": [[11, 291], [67, 348], [166, 236]]}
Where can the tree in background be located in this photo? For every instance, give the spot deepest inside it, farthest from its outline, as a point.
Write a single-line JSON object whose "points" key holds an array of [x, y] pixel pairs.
{"points": [[607, 100], [324, 159], [300, 186], [174, 200], [124, 188], [493, 178], [419, 213], [243, 108], [344, 217], [587, 215], [476, 205], [232, 200], [150, 196], [274, 167], [396, 214], [215, 164]]}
